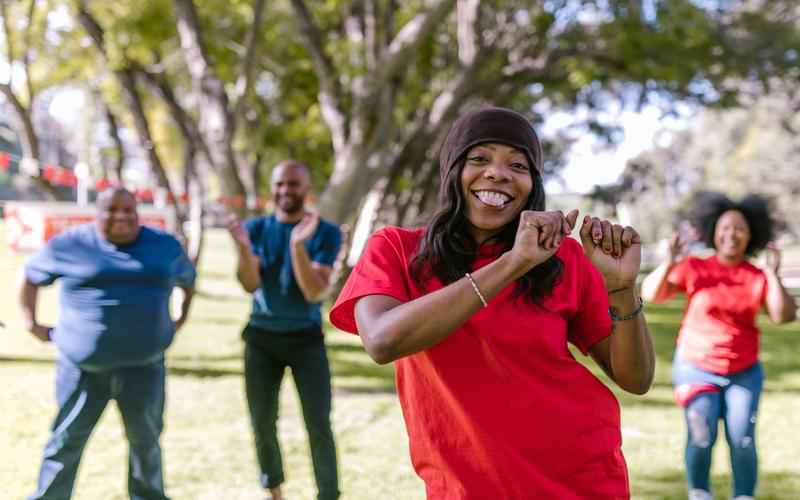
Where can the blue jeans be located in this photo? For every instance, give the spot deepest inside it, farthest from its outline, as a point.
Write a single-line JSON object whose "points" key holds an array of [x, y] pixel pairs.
{"points": [[736, 403], [82, 396]]}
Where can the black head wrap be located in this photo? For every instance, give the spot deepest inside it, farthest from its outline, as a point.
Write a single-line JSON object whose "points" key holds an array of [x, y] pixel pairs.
{"points": [[484, 125]]}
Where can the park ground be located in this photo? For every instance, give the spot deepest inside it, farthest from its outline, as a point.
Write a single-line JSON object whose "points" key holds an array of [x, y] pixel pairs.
{"points": [[207, 443]]}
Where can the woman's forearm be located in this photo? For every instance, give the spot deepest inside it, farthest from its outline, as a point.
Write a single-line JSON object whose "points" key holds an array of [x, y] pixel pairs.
{"points": [[414, 326], [781, 306], [655, 287], [632, 357], [247, 270]]}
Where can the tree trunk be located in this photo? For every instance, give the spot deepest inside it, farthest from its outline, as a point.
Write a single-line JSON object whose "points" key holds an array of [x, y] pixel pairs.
{"points": [[30, 143], [115, 172], [218, 126], [126, 77]]}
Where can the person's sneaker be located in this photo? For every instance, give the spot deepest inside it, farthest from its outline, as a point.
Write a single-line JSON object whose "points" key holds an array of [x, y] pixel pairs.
{"points": [[743, 497], [698, 494]]}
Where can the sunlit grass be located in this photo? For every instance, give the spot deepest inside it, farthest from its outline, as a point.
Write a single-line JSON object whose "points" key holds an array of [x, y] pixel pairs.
{"points": [[207, 444]]}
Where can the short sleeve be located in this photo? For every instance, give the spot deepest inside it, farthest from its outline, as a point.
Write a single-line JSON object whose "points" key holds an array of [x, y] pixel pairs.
{"points": [[678, 276], [592, 322], [42, 268], [327, 249], [381, 270], [185, 273], [761, 281]]}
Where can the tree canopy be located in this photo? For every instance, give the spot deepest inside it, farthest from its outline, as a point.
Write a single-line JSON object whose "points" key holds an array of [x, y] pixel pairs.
{"points": [[363, 90]]}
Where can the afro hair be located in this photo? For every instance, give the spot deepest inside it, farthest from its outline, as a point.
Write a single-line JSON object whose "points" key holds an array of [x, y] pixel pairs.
{"points": [[709, 206]]}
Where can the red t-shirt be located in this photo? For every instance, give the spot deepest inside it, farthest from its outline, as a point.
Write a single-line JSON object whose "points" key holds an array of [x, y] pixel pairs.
{"points": [[501, 408], [719, 331]]}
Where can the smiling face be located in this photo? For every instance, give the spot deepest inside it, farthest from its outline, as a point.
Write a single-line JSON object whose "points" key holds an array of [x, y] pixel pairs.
{"points": [[290, 186], [496, 182], [731, 236], [117, 218]]}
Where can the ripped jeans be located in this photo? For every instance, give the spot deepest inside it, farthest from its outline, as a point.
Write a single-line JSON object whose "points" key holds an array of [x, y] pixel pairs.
{"points": [[732, 398]]}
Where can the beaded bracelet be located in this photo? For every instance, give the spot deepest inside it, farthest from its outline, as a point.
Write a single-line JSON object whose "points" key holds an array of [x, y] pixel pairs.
{"points": [[632, 315], [477, 290]]}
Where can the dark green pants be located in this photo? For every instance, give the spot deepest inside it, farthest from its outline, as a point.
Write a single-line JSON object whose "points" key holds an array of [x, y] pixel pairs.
{"points": [[266, 357]]}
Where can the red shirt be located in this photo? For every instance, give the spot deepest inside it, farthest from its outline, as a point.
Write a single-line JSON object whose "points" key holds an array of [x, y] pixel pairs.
{"points": [[719, 331], [501, 408]]}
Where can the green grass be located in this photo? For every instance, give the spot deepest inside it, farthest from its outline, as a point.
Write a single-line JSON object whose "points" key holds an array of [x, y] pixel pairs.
{"points": [[207, 444]]}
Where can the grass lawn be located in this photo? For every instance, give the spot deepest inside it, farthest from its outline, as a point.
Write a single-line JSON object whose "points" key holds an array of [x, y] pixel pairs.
{"points": [[207, 444]]}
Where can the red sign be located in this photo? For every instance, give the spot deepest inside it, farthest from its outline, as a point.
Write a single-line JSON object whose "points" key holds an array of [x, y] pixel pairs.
{"points": [[30, 225]]}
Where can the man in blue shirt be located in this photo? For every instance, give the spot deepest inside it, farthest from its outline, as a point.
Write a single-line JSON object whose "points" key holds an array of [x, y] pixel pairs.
{"points": [[113, 328], [285, 261]]}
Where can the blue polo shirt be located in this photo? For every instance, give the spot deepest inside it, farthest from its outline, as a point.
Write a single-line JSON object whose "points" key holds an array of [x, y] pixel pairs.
{"points": [[279, 305], [114, 300]]}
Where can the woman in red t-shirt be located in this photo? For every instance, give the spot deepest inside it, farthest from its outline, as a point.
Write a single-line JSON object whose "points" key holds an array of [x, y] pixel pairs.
{"points": [[477, 310], [716, 372]]}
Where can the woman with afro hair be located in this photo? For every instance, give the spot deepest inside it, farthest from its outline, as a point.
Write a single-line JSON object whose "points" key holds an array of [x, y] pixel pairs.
{"points": [[716, 371]]}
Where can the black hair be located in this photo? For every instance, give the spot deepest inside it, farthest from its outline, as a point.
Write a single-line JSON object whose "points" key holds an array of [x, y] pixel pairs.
{"points": [[447, 248], [709, 207]]}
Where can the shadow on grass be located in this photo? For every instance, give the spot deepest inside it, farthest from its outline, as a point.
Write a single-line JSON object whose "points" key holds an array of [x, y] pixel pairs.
{"points": [[203, 372], [646, 401], [221, 297], [671, 485], [356, 372], [349, 391], [382, 376], [25, 360], [334, 347], [206, 358]]}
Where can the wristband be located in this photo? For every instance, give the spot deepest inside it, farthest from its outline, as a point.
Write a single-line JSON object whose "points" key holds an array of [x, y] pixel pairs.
{"points": [[636, 312]]}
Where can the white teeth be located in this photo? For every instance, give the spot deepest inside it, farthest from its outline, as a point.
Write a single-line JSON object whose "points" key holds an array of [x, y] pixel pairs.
{"points": [[493, 198]]}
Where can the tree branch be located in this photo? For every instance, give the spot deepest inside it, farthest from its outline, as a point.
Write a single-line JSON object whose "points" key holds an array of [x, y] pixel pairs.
{"points": [[159, 84], [200, 67], [244, 83], [330, 93], [388, 23], [113, 132], [126, 78], [467, 24], [92, 27], [9, 39], [26, 54], [371, 33], [394, 60], [219, 125], [403, 47], [30, 142]]}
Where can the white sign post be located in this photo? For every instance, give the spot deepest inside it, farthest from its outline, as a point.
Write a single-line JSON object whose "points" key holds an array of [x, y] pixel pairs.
{"points": [[84, 180]]}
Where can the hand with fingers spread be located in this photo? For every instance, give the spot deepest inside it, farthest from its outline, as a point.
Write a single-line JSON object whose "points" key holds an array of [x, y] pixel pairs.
{"points": [[615, 251], [305, 228], [539, 235]]}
